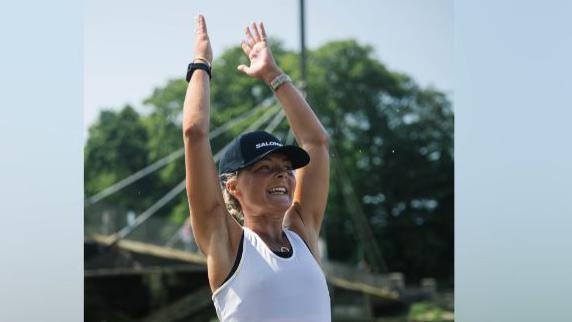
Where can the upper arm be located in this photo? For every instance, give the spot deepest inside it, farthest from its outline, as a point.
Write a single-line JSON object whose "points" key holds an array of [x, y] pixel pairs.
{"points": [[209, 217], [312, 186]]}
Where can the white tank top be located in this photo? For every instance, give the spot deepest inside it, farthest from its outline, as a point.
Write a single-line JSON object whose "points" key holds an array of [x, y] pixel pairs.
{"points": [[266, 287]]}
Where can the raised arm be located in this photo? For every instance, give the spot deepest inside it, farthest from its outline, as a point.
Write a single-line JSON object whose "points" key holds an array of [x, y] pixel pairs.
{"points": [[209, 215], [312, 185]]}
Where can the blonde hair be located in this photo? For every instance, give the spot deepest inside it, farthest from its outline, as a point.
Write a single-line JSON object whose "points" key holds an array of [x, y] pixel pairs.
{"points": [[232, 204]]}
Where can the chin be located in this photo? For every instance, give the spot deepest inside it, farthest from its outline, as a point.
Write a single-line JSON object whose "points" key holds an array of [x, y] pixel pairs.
{"points": [[283, 205]]}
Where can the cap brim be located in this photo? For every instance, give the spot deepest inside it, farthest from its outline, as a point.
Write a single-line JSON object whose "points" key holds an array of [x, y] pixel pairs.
{"points": [[298, 156]]}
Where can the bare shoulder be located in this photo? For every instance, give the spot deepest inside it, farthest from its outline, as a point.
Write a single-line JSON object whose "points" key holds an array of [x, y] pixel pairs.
{"points": [[224, 249], [293, 221]]}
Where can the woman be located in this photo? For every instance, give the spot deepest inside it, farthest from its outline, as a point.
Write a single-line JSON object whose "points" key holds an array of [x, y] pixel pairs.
{"points": [[268, 268]]}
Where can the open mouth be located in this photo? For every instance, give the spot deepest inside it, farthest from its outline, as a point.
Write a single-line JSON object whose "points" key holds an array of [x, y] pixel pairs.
{"points": [[278, 191]]}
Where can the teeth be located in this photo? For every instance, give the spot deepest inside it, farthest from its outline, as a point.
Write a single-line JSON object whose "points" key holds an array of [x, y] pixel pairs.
{"points": [[278, 190]]}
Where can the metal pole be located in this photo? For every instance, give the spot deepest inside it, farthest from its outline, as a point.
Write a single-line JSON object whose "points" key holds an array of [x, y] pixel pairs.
{"points": [[302, 48]]}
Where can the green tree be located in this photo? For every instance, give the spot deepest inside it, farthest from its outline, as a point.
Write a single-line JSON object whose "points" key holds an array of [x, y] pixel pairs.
{"points": [[117, 147]]}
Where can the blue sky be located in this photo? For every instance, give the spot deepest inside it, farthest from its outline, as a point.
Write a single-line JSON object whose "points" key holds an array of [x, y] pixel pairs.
{"points": [[131, 47]]}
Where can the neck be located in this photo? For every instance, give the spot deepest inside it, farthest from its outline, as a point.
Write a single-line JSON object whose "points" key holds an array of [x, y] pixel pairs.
{"points": [[266, 225]]}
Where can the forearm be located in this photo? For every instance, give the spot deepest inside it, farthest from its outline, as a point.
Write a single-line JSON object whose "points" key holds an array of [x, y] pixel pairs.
{"points": [[196, 105], [305, 124]]}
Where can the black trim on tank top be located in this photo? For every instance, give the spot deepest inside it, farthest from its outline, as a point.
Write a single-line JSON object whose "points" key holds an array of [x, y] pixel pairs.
{"points": [[239, 255], [283, 254], [287, 254], [237, 260], [290, 251]]}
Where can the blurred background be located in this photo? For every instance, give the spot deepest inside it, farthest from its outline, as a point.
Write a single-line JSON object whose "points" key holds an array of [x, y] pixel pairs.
{"points": [[377, 73]]}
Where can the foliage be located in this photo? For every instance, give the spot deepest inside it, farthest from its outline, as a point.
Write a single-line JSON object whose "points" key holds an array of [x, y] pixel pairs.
{"points": [[394, 139], [427, 312], [116, 147]]}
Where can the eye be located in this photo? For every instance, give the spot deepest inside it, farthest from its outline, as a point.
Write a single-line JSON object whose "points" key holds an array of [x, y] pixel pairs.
{"points": [[264, 169]]}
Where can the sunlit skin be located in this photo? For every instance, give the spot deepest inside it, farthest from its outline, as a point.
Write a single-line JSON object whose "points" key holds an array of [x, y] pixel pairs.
{"points": [[262, 210]]}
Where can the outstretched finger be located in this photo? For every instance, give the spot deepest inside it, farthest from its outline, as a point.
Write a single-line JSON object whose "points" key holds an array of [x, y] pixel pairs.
{"points": [[245, 47], [201, 24], [262, 32], [257, 37], [249, 37]]}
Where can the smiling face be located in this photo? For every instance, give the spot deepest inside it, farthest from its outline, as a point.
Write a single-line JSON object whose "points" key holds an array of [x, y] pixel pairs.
{"points": [[266, 186]]}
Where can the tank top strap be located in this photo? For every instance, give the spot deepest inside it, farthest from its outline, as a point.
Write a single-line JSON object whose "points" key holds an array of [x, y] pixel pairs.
{"points": [[300, 242]]}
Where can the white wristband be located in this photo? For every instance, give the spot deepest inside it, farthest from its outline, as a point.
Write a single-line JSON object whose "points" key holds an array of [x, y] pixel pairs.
{"points": [[279, 80]]}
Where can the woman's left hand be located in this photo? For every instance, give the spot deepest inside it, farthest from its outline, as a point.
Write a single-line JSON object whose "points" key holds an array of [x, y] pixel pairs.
{"points": [[202, 42], [255, 46]]}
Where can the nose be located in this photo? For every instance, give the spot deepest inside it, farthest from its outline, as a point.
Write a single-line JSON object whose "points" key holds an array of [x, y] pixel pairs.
{"points": [[282, 172]]}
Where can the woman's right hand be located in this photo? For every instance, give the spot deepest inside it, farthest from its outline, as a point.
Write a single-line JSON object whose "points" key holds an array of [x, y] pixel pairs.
{"points": [[202, 42]]}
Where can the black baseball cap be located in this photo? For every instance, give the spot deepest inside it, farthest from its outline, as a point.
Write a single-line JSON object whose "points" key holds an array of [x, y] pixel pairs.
{"points": [[251, 147]]}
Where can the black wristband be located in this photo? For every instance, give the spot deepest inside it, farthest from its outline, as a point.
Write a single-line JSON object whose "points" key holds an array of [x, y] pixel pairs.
{"points": [[194, 66]]}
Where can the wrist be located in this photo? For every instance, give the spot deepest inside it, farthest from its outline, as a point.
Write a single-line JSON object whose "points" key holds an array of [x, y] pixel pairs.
{"points": [[271, 74], [279, 81], [197, 66], [201, 59]]}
